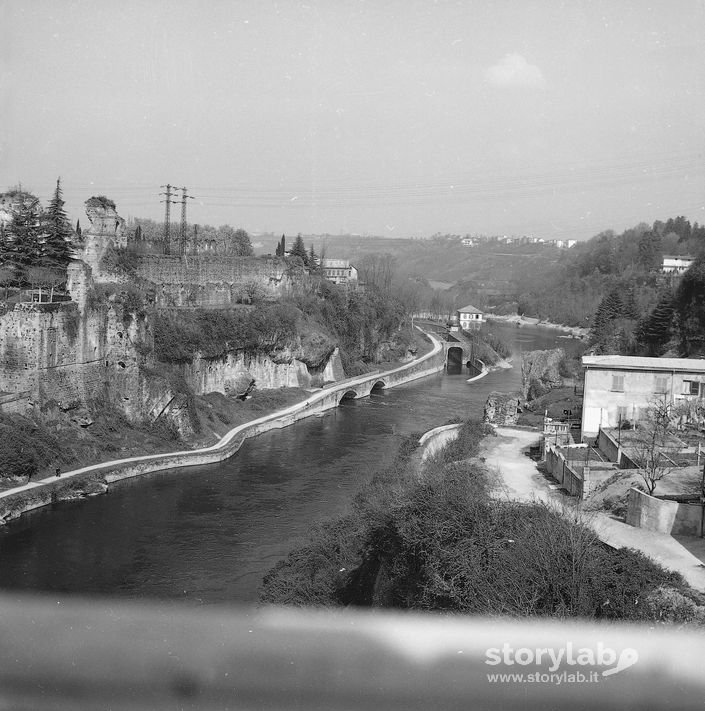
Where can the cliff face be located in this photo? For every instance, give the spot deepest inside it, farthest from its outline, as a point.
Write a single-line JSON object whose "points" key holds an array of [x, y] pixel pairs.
{"points": [[540, 372], [236, 373]]}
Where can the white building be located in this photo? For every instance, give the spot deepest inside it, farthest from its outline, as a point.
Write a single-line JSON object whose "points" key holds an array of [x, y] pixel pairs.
{"points": [[676, 265], [624, 387], [469, 317], [339, 271]]}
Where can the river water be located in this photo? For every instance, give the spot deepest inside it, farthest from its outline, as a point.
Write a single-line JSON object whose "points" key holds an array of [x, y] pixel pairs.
{"points": [[209, 534]]}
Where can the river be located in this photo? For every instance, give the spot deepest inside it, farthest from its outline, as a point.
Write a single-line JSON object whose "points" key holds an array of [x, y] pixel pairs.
{"points": [[208, 534]]}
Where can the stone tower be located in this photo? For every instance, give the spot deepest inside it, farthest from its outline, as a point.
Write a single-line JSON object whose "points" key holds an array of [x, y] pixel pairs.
{"points": [[107, 229]]}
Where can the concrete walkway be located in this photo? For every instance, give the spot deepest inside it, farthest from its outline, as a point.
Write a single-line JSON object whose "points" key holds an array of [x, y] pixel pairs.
{"points": [[520, 479]]}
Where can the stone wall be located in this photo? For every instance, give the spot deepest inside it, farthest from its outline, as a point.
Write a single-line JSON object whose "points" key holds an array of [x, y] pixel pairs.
{"points": [[207, 280], [671, 517], [61, 355], [501, 409]]}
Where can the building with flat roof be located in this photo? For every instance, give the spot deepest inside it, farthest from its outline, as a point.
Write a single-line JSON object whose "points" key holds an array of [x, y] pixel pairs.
{"points": [[619, 388]]}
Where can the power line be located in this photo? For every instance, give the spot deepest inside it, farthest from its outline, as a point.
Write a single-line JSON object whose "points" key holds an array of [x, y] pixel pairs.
{"points": [[184, 198], [167, 217]]}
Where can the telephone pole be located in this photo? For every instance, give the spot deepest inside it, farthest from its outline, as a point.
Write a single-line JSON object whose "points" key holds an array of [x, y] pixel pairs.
{"points": [[182, 236], [167, 216]]}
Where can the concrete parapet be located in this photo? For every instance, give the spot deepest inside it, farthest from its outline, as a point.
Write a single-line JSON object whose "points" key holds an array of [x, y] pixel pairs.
{"points": [[671, 517]]}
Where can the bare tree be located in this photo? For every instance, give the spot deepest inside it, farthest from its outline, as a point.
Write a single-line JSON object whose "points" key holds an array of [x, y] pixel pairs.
{"points": [[377, 270], [651, 450]]}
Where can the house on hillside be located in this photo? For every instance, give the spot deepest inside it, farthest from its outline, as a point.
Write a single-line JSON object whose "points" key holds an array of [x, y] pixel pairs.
{"points": [[470, 318], [339, 271], [675, 264], [619, 388]]}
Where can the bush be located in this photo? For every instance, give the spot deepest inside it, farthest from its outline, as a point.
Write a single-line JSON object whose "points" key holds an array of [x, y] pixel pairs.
{"points": [[179, 336]]}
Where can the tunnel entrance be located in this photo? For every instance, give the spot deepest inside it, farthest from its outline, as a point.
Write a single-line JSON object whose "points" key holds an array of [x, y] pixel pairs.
{"points": [[454, 364]]}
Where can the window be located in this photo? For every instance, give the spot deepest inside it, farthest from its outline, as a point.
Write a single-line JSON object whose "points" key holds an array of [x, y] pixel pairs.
{"points": [[661, 384], [618, 383], [691, 387]]}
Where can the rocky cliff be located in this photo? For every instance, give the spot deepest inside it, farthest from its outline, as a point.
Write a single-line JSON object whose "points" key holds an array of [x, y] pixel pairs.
{"points": [[540, 372]]}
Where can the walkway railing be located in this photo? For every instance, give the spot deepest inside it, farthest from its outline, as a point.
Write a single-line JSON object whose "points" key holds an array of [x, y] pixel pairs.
{"points": [[78, 654]]}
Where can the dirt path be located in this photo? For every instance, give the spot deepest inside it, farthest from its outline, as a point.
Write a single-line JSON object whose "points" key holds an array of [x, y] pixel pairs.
{"points": [[520, 479]]}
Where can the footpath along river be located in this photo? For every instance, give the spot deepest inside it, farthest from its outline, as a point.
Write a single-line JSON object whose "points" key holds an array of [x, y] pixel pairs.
{"points": [[209, 534]]}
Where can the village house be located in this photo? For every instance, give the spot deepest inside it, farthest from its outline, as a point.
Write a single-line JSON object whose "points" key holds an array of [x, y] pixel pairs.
{"points": [[620, 388], [339, 271], [470, 318], [676, 265]]}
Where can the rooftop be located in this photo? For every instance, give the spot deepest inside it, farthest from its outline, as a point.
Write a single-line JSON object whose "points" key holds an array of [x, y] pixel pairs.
{"points": [[470, 309], [616, 362]]}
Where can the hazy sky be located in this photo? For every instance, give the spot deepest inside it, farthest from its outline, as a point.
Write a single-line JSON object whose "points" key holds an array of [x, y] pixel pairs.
{"points": [[393, 117]]}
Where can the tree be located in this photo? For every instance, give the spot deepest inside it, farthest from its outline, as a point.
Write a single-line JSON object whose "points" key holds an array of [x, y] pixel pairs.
{"points": [[690, 306], [651, 450], [299, 249], [7, 277], [24, 235], [377, 270], [313, 260], [650, 251], [242, 244], [281, 247], [56, 247], [656, 329]]}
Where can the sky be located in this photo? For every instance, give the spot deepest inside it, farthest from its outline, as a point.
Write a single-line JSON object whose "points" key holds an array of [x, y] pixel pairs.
{"points": [[400, 118]]}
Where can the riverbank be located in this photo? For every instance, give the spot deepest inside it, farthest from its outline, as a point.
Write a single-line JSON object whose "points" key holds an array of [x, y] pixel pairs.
{"points": [[96, 479], [574, 331]]}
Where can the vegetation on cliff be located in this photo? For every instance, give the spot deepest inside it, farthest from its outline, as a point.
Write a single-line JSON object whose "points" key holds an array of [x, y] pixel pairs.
{"points": [[36, 245], [436, 539]]}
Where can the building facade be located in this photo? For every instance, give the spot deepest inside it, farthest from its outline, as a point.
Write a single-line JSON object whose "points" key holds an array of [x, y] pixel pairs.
{"points": [[619, 388], [676, 265], [339, 271], [470, 318]]}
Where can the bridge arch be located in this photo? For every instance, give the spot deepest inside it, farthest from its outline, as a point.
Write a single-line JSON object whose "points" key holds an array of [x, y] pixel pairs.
{"points": [[377, 386], [348, 395]]}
